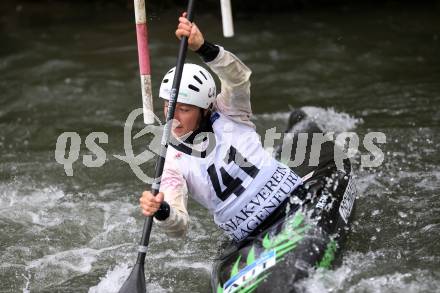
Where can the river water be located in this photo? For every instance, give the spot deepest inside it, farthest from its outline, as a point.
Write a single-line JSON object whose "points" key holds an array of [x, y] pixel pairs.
{"points": [[74, 68]]}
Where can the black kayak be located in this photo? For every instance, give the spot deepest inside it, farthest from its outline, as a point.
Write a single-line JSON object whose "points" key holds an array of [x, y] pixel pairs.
{"points": [[305, 233]]}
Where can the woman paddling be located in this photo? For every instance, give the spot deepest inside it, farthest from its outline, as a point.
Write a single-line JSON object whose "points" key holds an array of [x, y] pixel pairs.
{"points": [[228, 172], [227, 179]]}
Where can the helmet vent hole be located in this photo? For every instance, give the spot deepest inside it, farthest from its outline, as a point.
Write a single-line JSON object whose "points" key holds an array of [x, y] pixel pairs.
{"points": [[198, 79], [165, 80], [194, 88], [170, 71], [203, 75]]}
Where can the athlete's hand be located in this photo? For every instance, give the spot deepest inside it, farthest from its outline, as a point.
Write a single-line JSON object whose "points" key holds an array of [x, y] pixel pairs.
{"points": [[190, 30], [150, 203]]}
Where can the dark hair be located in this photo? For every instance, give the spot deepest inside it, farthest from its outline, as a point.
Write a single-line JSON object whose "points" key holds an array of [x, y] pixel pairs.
{"points": [[205, 121], [205, 125]]}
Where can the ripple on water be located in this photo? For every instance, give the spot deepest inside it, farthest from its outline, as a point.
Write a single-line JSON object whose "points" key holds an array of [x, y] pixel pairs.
{"points": [[366, 272]]}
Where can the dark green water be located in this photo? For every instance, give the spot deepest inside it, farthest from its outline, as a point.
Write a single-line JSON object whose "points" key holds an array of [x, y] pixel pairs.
{"points": [[66, 69]]}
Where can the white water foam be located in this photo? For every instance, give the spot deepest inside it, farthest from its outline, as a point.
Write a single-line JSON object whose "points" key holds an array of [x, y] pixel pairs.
{"points": [[327, 119], [75, 260], [117, 222], [334, 280], [115, 278], [44, 212], [414, 281], [331, 120], [17, 194], [28, 282], [352, 277], [191, 265], [272, 116], [65, 265], [23, 203]]}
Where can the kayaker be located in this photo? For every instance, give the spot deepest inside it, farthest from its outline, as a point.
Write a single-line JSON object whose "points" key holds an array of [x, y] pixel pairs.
{"points": [[228, 172]]}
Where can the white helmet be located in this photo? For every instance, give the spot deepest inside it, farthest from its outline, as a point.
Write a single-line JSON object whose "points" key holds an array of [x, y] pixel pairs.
{"points": [[197, 86]]}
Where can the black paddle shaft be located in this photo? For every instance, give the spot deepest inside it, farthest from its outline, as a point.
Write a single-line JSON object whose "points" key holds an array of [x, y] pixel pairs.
{"points": [[136, 281], [160, 161]]}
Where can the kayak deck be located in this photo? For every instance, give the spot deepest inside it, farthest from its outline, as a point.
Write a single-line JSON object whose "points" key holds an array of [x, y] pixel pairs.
{"points": [[307, 237]]}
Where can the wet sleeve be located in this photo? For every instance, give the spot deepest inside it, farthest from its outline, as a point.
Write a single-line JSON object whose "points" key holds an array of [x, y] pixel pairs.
{"points": [[174, 187], [234, 97]]}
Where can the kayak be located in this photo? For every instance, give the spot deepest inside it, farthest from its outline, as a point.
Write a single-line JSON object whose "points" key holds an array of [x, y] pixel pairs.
{"points": [[308, 235]]}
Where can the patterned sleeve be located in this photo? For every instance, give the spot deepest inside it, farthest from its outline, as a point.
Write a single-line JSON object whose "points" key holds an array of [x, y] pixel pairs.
{"points": [[174, 187]]}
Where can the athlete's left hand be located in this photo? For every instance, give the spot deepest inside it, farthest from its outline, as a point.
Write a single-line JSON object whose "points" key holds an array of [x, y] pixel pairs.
{"points": [[190, 30]]}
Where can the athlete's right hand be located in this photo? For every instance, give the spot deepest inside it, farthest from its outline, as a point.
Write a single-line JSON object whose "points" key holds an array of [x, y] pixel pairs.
{"points": [[149, 203]]}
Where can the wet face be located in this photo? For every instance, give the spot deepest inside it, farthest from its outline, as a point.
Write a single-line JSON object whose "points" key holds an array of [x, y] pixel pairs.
{"points": [[186, 118]]}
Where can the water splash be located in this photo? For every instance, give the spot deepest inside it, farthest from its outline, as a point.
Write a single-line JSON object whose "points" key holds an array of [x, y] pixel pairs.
{"points": [[114, 279], [327, 119]]}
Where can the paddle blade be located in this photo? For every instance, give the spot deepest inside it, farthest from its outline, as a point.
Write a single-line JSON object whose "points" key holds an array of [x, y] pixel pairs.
{"points": [[135, 282]]}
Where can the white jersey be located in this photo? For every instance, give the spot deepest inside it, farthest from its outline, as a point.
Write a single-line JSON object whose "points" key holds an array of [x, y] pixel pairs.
{"points": [[233, 176], [230, 173]]}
